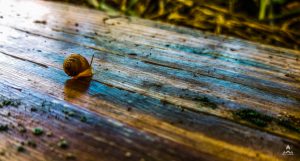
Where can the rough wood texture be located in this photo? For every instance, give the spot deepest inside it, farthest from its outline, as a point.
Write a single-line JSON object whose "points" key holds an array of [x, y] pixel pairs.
{"points": [[159, 92]]}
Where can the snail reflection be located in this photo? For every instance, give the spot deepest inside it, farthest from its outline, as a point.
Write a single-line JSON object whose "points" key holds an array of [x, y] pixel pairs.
{"points": [[75, 88]]}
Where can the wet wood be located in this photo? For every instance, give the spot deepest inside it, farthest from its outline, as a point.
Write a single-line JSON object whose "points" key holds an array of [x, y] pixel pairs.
{"points": [[159, 92]]}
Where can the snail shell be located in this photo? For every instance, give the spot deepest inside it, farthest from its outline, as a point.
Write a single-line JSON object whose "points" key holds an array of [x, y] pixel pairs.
{"points": [[77, 66]]}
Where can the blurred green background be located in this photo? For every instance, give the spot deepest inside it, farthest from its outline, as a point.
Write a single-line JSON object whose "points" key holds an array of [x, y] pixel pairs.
{"points": [[274, 22]]}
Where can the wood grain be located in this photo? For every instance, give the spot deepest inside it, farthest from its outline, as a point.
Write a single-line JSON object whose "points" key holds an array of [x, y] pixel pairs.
{"points": [[159, 92]]}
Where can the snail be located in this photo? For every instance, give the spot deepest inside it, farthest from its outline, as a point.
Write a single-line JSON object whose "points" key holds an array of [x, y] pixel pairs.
{"points": [[77, 66]]}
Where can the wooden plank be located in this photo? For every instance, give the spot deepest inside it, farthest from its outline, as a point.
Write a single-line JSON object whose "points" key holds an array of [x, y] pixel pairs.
{"points": [[135, 117], [278, 75], [103, 137], [145, 94], [229, 98]]}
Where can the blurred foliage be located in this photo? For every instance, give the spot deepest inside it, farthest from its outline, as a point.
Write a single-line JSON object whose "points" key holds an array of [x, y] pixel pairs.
{"points": [[275, 22]]}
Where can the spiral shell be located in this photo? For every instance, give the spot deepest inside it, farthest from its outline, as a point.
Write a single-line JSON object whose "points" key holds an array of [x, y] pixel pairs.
{"points": [[75, 64]]}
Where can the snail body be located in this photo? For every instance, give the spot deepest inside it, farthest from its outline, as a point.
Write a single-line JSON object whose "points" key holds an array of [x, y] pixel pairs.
{"points": [[76, 66]]}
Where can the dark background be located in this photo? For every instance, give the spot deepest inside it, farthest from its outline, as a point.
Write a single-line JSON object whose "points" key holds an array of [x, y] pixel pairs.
{"points": [[274, 22]]}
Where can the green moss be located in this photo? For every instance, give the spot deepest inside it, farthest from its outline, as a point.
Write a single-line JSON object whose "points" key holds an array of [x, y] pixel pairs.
{"points": [[6, 102], [262, 120], [31, 144], [68, 113], [3, 127], [254, 117], [63, 144], [83, 119], [204, 101], [38, 131], [10, 102], [20, 148], [289, 124], [33, 109]]}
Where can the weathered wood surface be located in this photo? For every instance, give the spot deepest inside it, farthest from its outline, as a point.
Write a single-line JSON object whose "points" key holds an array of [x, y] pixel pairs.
{"points": [[159, 92]]}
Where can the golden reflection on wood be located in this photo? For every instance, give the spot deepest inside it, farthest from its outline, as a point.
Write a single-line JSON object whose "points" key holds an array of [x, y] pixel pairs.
{"points": [[74, 88]]}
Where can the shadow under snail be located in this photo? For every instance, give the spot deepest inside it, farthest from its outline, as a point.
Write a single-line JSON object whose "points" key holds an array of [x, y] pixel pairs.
{"points": [[76, 66]]}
